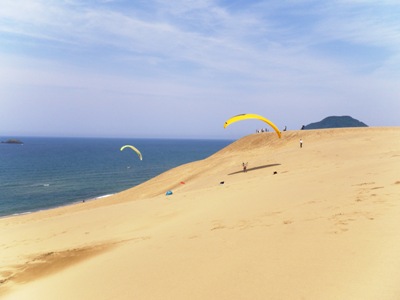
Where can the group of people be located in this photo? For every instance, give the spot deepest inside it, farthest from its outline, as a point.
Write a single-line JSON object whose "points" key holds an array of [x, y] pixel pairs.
{"points": [[266, 130], [284, 129], [262, 130]]}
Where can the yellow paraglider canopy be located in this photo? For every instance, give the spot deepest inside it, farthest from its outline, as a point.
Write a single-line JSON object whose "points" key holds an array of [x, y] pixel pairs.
{"points": [[134, 149], [252, 116]]}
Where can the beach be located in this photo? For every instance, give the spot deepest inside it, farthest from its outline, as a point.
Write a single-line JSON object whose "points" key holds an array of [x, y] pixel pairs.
{"points": [[316, 222]]}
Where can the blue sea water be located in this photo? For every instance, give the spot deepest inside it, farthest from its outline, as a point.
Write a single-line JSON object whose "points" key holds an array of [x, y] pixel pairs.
{"points": [[49, 172]]}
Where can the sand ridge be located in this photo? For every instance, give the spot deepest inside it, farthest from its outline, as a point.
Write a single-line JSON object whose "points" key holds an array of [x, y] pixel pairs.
{"points": [[319, 222]]}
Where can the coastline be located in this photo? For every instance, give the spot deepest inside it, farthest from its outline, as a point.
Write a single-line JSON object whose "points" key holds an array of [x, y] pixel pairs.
{"points": [[56, 207], [318, 228], [52, 172]]}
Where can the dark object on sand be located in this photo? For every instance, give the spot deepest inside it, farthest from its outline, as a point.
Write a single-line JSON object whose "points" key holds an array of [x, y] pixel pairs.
{"points": [[222, 182], [275, 172]]}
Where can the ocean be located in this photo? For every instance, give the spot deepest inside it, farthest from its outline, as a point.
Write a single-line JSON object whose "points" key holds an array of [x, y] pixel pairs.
{"points": [[45, 173]]}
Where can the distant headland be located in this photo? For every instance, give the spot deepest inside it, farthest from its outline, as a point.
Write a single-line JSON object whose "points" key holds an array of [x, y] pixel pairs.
{"points": [[336, 122], [12, 141]]}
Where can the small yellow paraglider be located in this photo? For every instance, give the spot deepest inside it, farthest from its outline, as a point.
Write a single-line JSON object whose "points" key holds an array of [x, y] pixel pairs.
{"points": [[252, 116], [134, 149]]}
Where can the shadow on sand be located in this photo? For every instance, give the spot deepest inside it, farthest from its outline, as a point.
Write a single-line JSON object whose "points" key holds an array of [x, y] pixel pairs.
{"points": [[255, 168]]}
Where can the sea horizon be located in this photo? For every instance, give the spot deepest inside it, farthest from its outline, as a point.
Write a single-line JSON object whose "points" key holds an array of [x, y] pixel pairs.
{"points": [[17, 136]]}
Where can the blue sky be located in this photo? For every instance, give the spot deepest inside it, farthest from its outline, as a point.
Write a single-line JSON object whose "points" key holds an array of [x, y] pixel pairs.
{"points": [[152, 68]]}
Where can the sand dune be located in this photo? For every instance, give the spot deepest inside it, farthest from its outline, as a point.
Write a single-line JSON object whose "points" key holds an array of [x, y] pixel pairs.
{"points": [[320, 222]]}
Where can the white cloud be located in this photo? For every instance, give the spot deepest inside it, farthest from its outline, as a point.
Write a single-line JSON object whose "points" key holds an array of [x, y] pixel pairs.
{"points": [[278, 57]]}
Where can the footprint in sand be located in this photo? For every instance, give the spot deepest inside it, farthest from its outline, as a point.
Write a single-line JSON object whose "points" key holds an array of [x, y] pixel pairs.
{"points": [[218, 226], [378, 187], [364, 183]]}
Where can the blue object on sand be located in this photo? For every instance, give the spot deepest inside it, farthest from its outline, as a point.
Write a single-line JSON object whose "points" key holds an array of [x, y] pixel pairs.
{"points": [[168, 193]]}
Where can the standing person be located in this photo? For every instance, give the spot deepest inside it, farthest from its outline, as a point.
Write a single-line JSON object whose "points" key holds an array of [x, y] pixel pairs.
{"points": [[301, 143], [244, 166]]}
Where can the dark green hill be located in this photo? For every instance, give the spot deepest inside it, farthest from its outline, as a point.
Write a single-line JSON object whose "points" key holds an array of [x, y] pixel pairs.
{"points": [[336, 122]]}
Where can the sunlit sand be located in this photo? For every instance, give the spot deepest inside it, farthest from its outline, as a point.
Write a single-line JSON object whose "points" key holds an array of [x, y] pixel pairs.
{"points": [[317, 222]]}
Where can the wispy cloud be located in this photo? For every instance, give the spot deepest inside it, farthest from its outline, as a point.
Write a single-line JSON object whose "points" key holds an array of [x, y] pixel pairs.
{"points": [[306, 51]]}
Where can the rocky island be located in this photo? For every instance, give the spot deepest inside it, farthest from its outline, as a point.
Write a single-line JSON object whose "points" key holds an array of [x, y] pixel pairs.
{"points": [[12, 141]]}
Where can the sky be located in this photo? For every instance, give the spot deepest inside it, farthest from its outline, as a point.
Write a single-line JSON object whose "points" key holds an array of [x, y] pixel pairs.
{"points": [[180, 69]]}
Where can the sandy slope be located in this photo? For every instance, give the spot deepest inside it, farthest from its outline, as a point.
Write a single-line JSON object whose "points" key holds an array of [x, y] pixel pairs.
{"points": [[326, 226]]}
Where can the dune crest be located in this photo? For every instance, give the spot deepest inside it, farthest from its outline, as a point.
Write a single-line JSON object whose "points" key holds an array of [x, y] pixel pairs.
{"points": [[317, 222]]}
